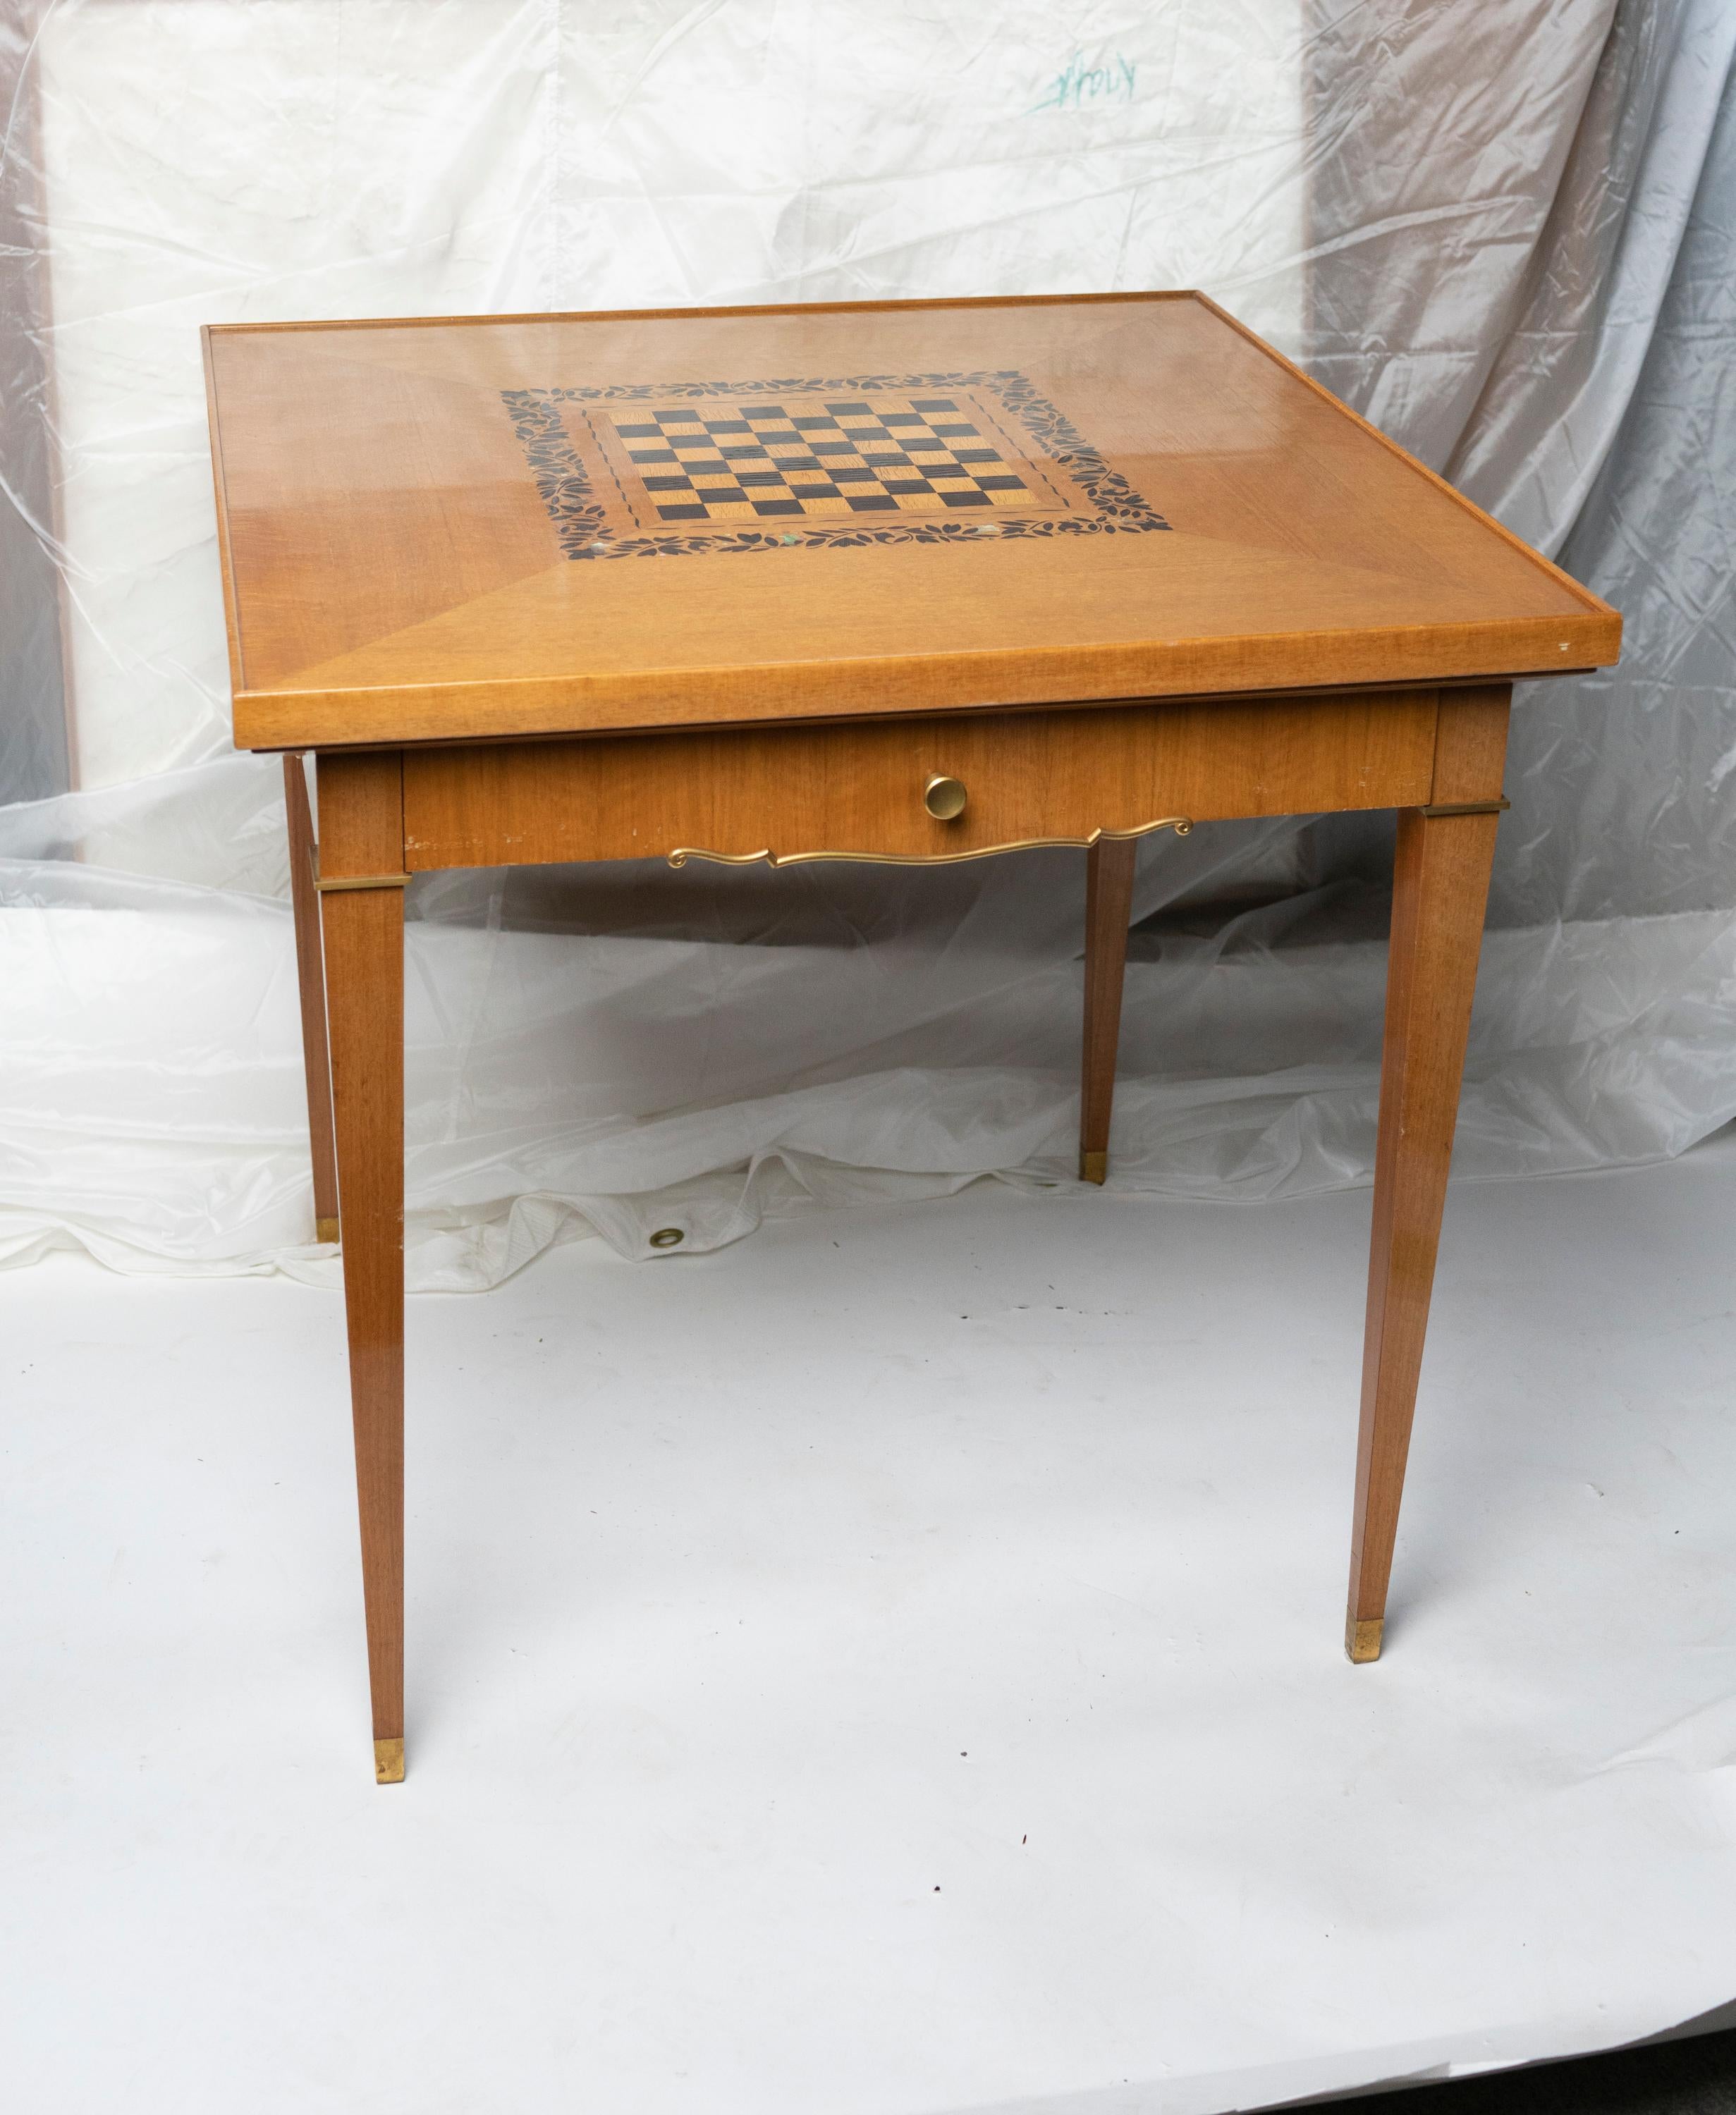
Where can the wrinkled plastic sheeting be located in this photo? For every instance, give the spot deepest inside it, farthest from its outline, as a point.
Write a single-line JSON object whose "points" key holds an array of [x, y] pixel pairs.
{"points": [[701, 1055], [207, 161], [1504, 229]]}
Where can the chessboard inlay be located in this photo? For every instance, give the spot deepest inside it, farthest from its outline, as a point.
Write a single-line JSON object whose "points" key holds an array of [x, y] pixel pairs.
{"points": [[647, 469], [820, 459]]}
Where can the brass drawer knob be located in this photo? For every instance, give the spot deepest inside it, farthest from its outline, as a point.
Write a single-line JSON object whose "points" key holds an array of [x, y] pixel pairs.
{"points": [[945, 798]]}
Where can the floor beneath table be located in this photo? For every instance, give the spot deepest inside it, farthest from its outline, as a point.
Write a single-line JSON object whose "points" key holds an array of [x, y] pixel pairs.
{"points": [[891, 1664]]}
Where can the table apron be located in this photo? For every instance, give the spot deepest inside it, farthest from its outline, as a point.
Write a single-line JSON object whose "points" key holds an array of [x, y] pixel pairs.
{"points": [[859, 788]]}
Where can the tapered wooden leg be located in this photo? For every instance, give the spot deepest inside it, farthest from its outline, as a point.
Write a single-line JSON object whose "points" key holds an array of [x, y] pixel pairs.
{"points": [[311, 974], [360, 828], [1108, 903], [1440, 888]]}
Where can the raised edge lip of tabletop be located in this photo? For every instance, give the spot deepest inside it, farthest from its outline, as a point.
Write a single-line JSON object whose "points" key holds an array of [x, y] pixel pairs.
{"points": [[577, 705], [725, 309]]}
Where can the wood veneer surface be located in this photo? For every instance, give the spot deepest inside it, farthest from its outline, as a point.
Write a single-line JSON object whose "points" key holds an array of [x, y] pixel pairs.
{"points": [[859, 788], [395, 572]]}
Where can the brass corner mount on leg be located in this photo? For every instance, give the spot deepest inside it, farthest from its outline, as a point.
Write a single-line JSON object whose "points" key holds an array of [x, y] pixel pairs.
{"points": [[325, 1230], [1094, 1167], [1362, 1640], [388, 1761]]}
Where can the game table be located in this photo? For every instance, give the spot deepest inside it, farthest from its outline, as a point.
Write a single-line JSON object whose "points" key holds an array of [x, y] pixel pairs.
{"points": [[909, 581]]}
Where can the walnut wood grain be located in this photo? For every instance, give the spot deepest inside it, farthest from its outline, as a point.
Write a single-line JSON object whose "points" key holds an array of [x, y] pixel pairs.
{"points": [[361, 832], [1108, 900], [1441, 887], [858, 787], [310, 978]]}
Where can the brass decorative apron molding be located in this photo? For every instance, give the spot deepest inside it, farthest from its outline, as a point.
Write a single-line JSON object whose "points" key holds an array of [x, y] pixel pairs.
{"points": [[1467, 807], [325, 883], [1181, 825]]}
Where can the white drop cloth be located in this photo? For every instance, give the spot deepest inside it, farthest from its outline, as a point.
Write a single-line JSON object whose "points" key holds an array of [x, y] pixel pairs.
{"points": [[889, 1667]]}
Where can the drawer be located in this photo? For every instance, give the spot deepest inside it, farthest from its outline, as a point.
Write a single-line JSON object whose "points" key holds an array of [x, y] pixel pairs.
{"points": [[868, 789]]}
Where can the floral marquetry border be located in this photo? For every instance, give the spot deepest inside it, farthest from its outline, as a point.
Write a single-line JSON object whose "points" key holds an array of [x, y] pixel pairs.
{"points": [[567, 491]]}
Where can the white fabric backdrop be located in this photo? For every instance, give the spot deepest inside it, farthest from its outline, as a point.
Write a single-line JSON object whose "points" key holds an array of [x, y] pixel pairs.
{"points": [[1502, 227]]}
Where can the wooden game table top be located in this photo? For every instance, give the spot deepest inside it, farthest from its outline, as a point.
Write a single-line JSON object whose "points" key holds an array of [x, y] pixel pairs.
{"points": [[481, 528]]}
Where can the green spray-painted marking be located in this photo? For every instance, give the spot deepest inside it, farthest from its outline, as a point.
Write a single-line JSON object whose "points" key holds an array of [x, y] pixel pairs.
{"points": [[1110, 80]]}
